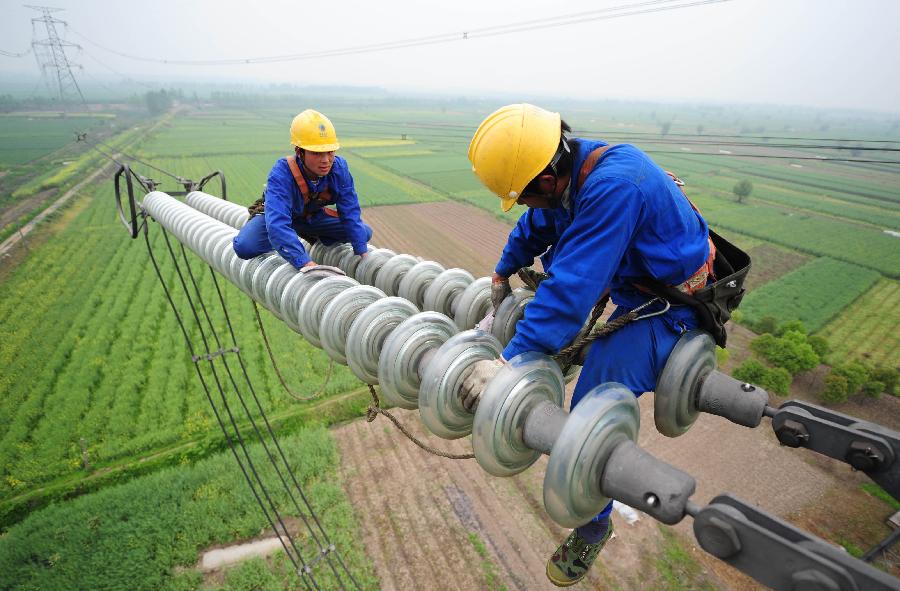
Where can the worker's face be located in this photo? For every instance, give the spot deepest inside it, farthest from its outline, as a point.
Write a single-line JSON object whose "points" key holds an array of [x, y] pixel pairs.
{"points": [[550, 189], [318, 163]]}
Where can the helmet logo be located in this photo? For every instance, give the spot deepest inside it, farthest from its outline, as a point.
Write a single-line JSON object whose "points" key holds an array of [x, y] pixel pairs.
{"points": [[322, 131]]}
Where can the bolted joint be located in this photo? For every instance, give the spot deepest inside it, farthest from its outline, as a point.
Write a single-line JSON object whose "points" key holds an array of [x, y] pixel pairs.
{"points": [[792, 433], [864, 456], [718, 537]]}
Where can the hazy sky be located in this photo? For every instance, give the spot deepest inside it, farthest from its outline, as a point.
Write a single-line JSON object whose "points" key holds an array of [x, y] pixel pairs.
{"points": [[825, 53]]}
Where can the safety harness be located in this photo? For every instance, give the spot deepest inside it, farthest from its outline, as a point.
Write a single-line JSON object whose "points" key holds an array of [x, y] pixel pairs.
{"points": [[321, 198], [714, 290]]}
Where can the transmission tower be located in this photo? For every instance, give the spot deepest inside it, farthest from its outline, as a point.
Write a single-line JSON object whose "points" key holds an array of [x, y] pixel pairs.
{"points": [[50, 53]]}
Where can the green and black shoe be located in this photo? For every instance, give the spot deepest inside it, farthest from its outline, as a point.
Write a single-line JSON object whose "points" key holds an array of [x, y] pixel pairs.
{"points": [[574, 558]]}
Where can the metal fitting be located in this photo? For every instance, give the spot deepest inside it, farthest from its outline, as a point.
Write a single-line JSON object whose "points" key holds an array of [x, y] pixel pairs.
{"points": [[864, 456], [792, 433]]}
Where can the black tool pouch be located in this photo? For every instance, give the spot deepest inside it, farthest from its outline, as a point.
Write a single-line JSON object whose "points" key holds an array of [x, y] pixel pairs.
{"points": [[715, 302]]}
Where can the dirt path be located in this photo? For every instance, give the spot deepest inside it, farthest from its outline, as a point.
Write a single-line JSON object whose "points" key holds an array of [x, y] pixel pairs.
{"points": [[420, 513], [10, 242]]}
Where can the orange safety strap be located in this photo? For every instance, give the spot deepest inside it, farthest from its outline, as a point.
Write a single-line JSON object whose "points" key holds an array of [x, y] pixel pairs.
{"points": [[323, 197], [698, 279]]}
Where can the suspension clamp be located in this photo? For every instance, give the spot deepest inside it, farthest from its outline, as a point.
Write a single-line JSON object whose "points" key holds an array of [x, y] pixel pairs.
{"points": [[214, 354]]}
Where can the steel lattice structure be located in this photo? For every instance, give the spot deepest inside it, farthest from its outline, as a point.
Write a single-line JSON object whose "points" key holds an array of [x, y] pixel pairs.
{"points": [[50, 53]]}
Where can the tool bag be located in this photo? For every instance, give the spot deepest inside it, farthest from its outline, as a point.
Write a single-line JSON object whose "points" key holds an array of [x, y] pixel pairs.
{"points": [[715, 302]]}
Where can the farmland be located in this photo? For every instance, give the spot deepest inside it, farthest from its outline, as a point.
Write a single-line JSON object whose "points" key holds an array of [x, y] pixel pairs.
{"points": [[27, 136], [97, 377]]}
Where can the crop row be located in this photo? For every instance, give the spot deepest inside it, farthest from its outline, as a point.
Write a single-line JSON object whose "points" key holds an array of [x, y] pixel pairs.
{"points": [[147, 534], [814, 293], [866, 247], [879, 189], [91, 351], [867, 329]]}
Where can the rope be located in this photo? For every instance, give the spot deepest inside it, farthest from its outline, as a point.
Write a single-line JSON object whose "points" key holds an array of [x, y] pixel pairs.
{"points": [[375, 409], [569, 355], [531, 278], [287, 389]]}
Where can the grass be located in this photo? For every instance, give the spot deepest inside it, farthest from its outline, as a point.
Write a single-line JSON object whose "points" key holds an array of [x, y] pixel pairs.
{"points": [[147, 534], [488, 568], [866, 330], [26, 138], [676, 569], [881, 494], [814, 293]]}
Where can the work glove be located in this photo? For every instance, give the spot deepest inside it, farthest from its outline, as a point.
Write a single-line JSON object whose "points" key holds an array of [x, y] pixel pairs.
{"points": [[486, 323], [475, 381], [531, 278], [499, 290]]}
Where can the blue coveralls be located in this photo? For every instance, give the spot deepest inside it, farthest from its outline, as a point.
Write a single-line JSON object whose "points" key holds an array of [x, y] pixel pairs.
{"points": [[286, 217], [628, 220]]}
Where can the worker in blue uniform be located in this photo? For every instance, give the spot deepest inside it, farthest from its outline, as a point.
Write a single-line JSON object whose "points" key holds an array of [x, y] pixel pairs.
{"points": [[309, 194], [600, 217]]}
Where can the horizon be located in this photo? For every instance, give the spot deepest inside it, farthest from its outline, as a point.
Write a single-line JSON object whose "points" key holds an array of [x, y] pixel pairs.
{"points": [[731, 52]]}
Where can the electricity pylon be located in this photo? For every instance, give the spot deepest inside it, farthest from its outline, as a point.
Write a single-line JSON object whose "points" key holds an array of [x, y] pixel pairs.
{"points": [[50, 53]]}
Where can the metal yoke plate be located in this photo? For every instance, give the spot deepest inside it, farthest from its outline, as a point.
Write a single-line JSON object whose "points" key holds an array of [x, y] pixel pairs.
{"points": [[778, 554]]}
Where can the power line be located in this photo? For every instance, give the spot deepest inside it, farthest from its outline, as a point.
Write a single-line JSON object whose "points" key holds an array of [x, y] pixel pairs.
{"points": [[608, 13], [124, 77], [467, 130], [13, 54]]}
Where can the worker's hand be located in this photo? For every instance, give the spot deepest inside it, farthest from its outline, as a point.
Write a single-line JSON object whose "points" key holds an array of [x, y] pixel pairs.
{"points": [[364, 255], [308, 266], [475, 381], [499, 289]]}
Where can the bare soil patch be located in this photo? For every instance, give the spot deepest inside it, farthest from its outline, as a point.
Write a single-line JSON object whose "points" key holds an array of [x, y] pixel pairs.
{"points": [[23, 207], [451, 233], [770, 263]]}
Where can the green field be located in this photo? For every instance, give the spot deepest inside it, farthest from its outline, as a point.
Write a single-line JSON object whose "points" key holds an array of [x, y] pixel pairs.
{"points": [[867, 329], [813, 294], [24, 137], [146, 534], [98, 355], [95, 365]]}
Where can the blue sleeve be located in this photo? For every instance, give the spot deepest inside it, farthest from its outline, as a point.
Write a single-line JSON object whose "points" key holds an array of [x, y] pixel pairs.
{"points": [[533, 234], [279, 195], [347, 203], [607, 214]]}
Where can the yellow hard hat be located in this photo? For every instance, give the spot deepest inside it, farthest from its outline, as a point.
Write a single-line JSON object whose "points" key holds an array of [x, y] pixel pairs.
{"points": [[313, 131], [511, 147]]}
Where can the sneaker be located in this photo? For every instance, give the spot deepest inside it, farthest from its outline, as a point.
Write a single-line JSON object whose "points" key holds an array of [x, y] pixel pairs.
{"points": [[574, 558]]}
